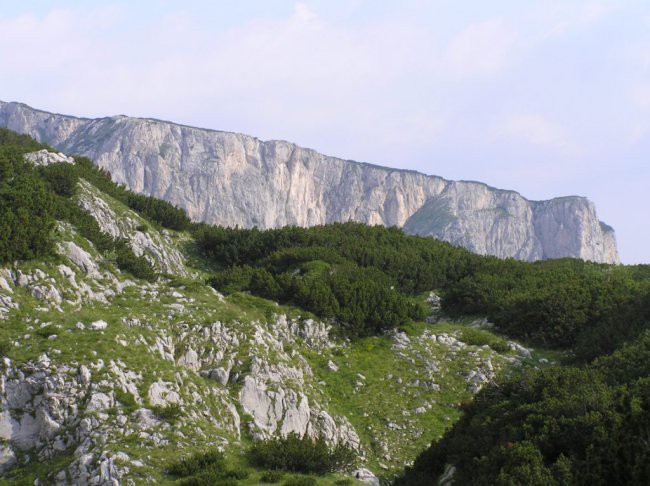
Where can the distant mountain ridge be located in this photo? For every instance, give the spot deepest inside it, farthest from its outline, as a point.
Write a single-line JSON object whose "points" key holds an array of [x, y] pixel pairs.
{"points": [[233, 179]]}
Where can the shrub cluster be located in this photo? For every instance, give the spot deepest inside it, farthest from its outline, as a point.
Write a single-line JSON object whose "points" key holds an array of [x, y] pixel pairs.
{"points": [[300, 481], [206, 469], [272, 477], [26, 208], [170, 412], [33, 198], [301, 454], [366, 278], [23, 143], [362, 300]]}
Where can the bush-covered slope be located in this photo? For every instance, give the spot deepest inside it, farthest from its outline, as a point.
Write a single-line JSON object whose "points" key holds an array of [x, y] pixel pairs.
{"points": [[33, 198], [111, 375], [366, 278], [121, 370], [564, 425]]}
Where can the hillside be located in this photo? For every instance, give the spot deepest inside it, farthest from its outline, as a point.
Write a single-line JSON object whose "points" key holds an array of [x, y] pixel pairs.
{"points": [[108, 377], [565, 425], [139, 347], [236, 180]]}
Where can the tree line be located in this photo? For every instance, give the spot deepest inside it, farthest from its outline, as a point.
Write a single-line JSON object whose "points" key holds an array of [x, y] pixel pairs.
{"points": [[368, 279]]}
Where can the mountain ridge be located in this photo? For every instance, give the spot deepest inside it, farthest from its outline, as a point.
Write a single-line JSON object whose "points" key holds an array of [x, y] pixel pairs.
{"points": [[281, 140], [239, 180]]}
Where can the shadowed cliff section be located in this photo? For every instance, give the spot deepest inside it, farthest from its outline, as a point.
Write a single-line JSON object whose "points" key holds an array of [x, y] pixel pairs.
{"points": [[237, 180]]}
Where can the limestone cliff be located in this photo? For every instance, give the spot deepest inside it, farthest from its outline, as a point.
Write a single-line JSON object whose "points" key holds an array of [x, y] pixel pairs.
{"points": [[233, 179]]}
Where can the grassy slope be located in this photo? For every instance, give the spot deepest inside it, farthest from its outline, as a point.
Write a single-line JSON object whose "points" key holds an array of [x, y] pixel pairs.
{"points": [[370, 403]]}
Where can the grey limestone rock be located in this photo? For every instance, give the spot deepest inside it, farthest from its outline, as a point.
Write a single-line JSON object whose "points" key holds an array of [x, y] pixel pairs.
{"points": [[163, 393], [7, 458], [80, 257], [98, 325], [156, 247], [45, 157], [232, 179], [365, 476]]}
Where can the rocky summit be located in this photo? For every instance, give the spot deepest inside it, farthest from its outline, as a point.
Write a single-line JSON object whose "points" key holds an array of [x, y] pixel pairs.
{"points": [[237, 180]]}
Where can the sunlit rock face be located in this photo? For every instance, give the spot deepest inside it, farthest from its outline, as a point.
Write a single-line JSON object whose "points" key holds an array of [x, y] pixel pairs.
{"points": [[237, 180]]}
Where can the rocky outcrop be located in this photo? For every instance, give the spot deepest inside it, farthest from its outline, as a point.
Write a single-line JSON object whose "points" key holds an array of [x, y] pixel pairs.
{"points": [[503, 223], [273, 391], [232, 179], [45, 157], [156, 246], [44, 412]]}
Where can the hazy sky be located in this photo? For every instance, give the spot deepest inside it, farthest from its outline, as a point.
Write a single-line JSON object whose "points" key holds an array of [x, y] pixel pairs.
{"points": [[548, 98]]}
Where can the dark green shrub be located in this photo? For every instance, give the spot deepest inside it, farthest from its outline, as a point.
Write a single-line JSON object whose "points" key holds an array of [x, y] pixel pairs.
{"points": [[194, 464], [301, 454], [162, 212], [127, 400], [478, 337], [126, 260], [45, 332], [209, 478], [24, 142], [62, 178], [237, 473], [272, 477], [26, 210], [5, 346], [170, 412], [344, 482], [206, 469]]}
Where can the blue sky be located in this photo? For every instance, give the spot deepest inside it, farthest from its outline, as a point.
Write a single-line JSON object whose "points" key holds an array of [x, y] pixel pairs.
{"points": [[548, 98]]}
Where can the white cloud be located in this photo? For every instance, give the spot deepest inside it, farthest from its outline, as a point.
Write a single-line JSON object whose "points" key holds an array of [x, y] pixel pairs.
{"points": [[593, 12], [54, 42], [419, 128], [296, 77], [480, 49], [303, 13], [534, 129], [641, 96], [638, 133], [569, 17]]}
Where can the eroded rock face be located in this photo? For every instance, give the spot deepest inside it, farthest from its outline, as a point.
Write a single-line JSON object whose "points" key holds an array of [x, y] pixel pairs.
{"points": [[157, 247], [43, 409], [503, 223], [48, 409], [81, 258], [365, 476], [45, 157], [232, 179], [273, 392]]}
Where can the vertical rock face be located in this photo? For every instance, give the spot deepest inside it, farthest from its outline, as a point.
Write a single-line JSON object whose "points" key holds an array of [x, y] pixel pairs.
{"points": [[232, 179], [569, 226]]}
